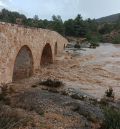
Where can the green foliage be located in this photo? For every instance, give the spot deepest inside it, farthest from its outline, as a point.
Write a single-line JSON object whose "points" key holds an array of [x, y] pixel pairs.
{"points": [[80, 28], [109, 93], [8, 16], [11, 118], [77, 27], [51, 83], [72, 27], [77, 45], [57, 24], [36, 18], [112, 119], [93, 39], [69, 27], [106, 28], [94, 44], [116, 39]]}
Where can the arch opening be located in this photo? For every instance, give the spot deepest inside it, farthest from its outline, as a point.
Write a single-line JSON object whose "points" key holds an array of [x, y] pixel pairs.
{"points": [[23, 66], [56, 48], [64, 46], [46, 57]]}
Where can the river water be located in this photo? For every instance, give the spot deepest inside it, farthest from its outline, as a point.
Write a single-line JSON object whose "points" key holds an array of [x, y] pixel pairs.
{"points": [[91, 71], [100, 69]]}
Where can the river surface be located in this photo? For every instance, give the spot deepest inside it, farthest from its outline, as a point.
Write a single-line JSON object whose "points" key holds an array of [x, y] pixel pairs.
{"points": [[101, 69], [91, 71]]}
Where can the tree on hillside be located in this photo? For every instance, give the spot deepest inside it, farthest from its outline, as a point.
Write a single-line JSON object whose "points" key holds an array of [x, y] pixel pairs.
{"points": [[78, 26], [8, 16], [57, 24], [69, 27], [72, 27], [36, 21], [36, 18], [106, 28]]}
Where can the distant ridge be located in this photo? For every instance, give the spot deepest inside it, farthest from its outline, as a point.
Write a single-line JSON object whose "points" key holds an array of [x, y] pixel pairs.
{"points": [[108, 19]]}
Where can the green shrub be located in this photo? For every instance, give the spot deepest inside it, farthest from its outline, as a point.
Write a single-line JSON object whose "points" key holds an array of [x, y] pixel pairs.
{"points": [[94, 41], [51, 83], [112, 119], [109, 93], [11, 119], [116, 39], [77, 45], [94, 44]]}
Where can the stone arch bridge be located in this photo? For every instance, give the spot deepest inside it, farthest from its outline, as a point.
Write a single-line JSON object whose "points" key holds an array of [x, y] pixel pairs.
{"points": [[25, 50]]}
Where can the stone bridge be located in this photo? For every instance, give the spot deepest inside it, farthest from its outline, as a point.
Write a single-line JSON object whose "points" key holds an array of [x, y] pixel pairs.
{"points": [[23, 50]]}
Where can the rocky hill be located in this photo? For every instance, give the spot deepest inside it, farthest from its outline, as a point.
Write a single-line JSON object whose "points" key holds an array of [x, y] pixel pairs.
{"points": [[111, 18]]}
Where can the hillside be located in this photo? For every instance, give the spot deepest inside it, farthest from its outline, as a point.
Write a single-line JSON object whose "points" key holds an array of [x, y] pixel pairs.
{"points": [[111, 18]]}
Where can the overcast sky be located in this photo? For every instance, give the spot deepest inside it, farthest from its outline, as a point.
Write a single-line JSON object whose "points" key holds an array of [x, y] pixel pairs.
{"points": [[65, 8]]}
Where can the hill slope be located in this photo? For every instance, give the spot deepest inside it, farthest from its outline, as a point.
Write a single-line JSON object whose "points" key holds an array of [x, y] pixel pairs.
{"points": [[111, 18]]}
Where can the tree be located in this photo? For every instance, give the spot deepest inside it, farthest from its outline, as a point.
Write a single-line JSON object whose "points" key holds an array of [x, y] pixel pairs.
{"points": [[105, 29], [69, 27], [8, 16], [80, 27], [36, 18], [76, 27], [57, 18], [78, 19], [35, 21], [57, 24]]}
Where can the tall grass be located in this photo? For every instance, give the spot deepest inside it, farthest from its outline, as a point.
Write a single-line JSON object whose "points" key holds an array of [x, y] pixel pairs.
{"points": [[112, 119]]}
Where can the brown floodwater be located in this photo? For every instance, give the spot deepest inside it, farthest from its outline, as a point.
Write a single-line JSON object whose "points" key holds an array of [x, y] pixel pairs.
{"points": [[105, 69], [92, 71]]}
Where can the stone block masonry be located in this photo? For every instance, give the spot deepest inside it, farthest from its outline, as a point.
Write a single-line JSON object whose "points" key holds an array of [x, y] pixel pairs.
{"points": [[23, 50]]}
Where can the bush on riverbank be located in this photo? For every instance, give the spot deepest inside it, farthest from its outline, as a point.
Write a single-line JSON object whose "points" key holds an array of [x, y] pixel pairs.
{"points": [[116, 39], [94, 39], [77, 45], [12, 118], [112, 119], [94, 42], [109, 93], [51, 83]]}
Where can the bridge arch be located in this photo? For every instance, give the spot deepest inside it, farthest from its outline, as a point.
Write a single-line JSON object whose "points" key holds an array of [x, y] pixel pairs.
{"points": [[46, 57], [23, 65], [56, 49], [64, 46]]}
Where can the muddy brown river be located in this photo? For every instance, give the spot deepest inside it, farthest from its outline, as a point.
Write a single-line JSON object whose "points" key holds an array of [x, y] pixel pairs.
{"points": [[90, 70], [100, 69]]}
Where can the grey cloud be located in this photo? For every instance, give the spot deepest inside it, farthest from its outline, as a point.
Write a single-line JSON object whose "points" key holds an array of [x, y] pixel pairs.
{"points": [[4, 1], [66, 8]]}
